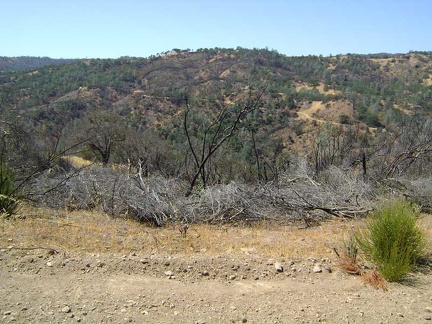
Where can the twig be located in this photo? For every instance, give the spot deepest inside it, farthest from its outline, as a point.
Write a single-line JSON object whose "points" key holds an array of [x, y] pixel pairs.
{"points": [[53, 251]]}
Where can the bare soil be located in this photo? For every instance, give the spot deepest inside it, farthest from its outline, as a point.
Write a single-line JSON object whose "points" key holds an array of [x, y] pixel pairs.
{"points": [[40, 284]]}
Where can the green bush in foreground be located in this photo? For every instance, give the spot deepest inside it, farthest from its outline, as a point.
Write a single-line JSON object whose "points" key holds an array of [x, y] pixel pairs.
{"points": [[392, 240]]}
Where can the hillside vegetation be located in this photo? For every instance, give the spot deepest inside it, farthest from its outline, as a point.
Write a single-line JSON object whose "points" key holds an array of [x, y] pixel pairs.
{"points": [[244, 134]]}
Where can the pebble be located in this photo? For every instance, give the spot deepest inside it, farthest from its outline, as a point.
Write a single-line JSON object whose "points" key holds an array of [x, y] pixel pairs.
{"points": [[317, 268], [66, 309], [168, 273], [278, 266], [49, 264]]}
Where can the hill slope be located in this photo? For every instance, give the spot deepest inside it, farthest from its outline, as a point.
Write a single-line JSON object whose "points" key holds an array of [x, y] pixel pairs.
{"points": [[357, 93]]}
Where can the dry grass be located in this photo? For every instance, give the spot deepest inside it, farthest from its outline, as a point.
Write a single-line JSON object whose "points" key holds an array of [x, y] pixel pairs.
{"points": [[77, 162], [95, 232]]}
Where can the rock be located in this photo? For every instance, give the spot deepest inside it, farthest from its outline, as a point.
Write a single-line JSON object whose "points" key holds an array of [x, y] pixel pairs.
{"points": [[168, 273], [49, 264], [317, 268], [428, 317], [278, 266], [205, 273], [7, 313], [232, 277], [66, 309]]}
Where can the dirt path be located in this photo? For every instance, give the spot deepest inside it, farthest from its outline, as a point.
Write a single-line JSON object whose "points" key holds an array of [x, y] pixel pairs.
{"points": [[306, 114], [38, 287]]}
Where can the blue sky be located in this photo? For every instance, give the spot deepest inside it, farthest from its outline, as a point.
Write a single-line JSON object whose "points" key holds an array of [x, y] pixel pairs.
{"points": [[108, 28]]}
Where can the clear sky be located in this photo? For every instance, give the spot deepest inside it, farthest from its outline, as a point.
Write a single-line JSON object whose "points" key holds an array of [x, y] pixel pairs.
{"points": [[114, 28]]}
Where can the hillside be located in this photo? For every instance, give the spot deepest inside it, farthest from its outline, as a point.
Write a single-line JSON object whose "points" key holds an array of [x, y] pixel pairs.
{"points": [[332, 111], [28, 63], [377, 87]]}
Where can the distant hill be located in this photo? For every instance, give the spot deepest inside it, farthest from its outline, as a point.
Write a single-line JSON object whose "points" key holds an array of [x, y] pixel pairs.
{"points": [[301, 93], [373, 86], [28, 63]]}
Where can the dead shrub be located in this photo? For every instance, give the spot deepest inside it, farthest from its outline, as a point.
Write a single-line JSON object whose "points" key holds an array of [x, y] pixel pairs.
{"points": [[375, 279], [349, 264]]}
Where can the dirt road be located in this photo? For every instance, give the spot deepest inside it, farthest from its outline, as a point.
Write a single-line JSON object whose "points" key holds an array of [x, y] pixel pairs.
{"points": [[37, 286]]}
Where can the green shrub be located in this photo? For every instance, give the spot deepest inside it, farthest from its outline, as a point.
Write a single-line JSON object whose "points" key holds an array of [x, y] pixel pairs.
{"points": [[392, 240], [8, 204]]}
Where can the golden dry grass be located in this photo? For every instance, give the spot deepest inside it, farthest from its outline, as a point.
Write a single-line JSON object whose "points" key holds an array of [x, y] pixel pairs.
{"points": [[96, 232], [77, 161]]}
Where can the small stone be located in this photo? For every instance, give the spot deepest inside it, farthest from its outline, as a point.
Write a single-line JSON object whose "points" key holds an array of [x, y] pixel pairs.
{"points": [[244, 320], [66, 309], [7, 313], [205, 273], [167, 263], [168, 273], [278, 266], [317, 268], [428, 317], [49, 264], [232, 277]]}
